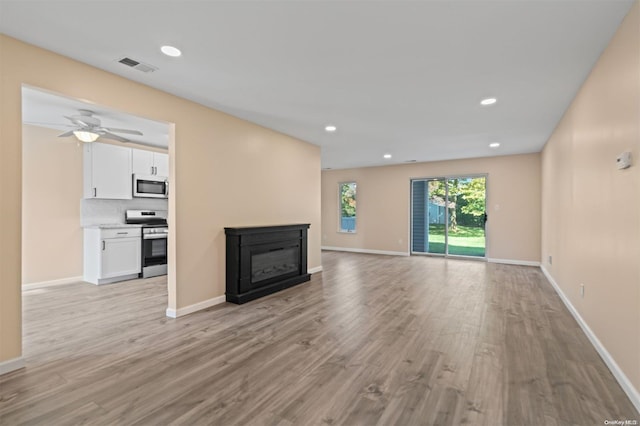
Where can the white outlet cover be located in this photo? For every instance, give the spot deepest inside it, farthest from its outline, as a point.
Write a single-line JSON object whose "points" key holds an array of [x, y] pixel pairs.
{"points": [[624, 160]]}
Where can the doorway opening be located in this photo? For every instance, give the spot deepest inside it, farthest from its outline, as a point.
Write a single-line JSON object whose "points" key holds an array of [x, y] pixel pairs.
{"points": [[448, 216], [56, 210]]}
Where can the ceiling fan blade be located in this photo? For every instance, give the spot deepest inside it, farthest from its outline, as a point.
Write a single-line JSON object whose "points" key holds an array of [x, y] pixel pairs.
{"points": [[37, 123], [109, 135], [65, 134], [126, 131], [77, 121]]}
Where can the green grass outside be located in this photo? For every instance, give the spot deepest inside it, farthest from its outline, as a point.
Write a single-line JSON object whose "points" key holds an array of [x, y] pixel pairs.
{"points": [[464, 241]]}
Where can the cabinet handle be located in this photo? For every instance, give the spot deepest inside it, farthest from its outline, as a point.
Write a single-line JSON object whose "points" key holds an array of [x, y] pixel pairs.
{"points": [[103, 246], [95, 192], [155, 170], [122, 233]]}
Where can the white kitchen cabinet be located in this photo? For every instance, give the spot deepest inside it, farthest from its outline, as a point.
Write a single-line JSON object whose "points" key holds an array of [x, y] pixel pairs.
{"points": [[161, 163], [107, 171], [142, 162], [150, 163], [111, 255]]}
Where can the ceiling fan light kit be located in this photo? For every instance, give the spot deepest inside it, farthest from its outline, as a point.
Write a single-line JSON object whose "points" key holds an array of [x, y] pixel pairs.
{"points": [[86, 136]]}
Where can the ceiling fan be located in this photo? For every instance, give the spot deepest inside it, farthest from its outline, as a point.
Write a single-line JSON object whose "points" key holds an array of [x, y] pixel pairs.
{"points": [[88, 128]]}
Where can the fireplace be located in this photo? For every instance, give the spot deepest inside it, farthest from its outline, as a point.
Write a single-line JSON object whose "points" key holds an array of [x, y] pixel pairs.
{"points": [[272, 264], [263, 260]]}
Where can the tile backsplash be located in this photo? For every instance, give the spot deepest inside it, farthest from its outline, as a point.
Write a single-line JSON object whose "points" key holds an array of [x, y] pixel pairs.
{"points": [[98, 212]]}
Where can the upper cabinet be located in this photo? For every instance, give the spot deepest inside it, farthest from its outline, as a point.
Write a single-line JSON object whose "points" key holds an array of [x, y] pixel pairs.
{"points": [[142, 162], [150, 163], [161, 163], [107, 171]]}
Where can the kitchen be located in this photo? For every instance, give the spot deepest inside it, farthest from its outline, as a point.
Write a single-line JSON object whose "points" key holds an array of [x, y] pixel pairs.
{"points": [[117, 246], [103, 203]]}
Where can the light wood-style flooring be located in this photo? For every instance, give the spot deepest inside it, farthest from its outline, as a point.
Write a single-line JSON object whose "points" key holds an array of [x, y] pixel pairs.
{"points": [[371, 340]]}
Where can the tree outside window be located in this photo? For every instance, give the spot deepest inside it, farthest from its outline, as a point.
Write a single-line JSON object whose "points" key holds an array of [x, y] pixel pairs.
{"points": [[348, 207]]}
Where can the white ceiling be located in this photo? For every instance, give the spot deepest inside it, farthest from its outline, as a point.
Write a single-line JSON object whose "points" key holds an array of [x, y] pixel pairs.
{"points": [[46, 109], [399, 77]]}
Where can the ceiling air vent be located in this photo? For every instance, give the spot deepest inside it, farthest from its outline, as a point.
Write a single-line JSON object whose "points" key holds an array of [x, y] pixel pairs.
{"points": [[137, 65]]}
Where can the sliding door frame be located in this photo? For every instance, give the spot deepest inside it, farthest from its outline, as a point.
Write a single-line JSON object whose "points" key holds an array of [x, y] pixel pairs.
{"points": [[446, 224]]}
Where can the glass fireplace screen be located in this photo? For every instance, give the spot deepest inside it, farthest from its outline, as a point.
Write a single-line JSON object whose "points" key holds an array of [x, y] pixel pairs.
{"points": [[272, 264]]}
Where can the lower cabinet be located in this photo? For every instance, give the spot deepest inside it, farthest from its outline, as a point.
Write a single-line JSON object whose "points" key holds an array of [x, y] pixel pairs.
{"points": [[112, 254]]}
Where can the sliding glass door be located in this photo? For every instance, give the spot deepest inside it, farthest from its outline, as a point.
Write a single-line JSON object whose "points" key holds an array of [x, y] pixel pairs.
{"points": [[448, 216], [428, 216]]}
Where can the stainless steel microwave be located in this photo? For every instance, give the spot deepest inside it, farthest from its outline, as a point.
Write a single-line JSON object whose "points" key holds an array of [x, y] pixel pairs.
{"points": [[148, 186]]}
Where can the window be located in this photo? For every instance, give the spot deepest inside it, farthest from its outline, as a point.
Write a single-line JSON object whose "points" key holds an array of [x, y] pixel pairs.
{"points": [[348, 207]]}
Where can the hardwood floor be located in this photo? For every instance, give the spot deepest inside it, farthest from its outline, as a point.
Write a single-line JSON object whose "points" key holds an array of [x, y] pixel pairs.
{"points": [[371, 340]]}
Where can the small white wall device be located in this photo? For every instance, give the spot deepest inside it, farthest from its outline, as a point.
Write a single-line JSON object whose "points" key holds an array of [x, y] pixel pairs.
{"points": [[624, 160]]}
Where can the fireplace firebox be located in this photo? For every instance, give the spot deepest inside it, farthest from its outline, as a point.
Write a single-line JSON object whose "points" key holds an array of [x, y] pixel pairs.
{"points": [[265, 259]]}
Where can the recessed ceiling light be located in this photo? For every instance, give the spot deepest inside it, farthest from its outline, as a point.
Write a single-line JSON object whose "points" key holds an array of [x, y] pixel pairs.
{"points": [[488, 101], [494, 145], [387, 156], [330, 128], [171, 51]]}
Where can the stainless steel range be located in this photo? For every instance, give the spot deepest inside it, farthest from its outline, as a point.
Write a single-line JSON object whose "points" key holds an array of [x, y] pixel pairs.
{"points": [[154, 240]]}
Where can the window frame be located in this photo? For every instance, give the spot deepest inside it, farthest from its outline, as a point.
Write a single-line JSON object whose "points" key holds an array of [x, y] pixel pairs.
{"points": [[340, 229]]}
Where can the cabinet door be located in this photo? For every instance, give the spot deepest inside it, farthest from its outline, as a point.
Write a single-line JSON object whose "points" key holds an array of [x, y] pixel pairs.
{"points": [[111, 172], [142, 162], [120, 256], [161, 162]]}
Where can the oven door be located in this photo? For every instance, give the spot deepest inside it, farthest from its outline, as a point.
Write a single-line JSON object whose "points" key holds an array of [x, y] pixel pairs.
{"points": [[150, 187], [154, 250]]}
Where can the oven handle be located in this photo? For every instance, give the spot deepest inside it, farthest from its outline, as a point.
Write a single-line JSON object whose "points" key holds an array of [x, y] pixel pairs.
{"points": [[154, 236]]}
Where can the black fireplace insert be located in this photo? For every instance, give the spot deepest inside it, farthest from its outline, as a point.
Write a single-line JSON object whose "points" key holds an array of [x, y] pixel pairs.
{"points": [[265, 259]]}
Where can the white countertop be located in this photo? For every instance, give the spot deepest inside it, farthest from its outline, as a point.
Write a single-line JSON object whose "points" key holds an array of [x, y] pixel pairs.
{"points": [[113, 226]]}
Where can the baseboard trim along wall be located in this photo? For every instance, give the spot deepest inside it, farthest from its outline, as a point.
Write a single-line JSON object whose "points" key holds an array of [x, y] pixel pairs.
{"points": [[617, 372], [514, 262], [314, 270], [11, 365], [366, 251], [180, 312], [51, 283]]}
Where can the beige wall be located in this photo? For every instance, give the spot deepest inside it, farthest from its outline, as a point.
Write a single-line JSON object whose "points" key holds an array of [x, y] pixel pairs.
{"points": [[225, 172], [513, 202], [591, 210], [51, 193]]}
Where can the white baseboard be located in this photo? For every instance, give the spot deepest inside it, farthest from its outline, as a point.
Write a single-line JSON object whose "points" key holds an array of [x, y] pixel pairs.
{"points": [[180, 312], [314, 270], [11, 365], [617, 372], [514, 262], [61, 281], [366, 251]]}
